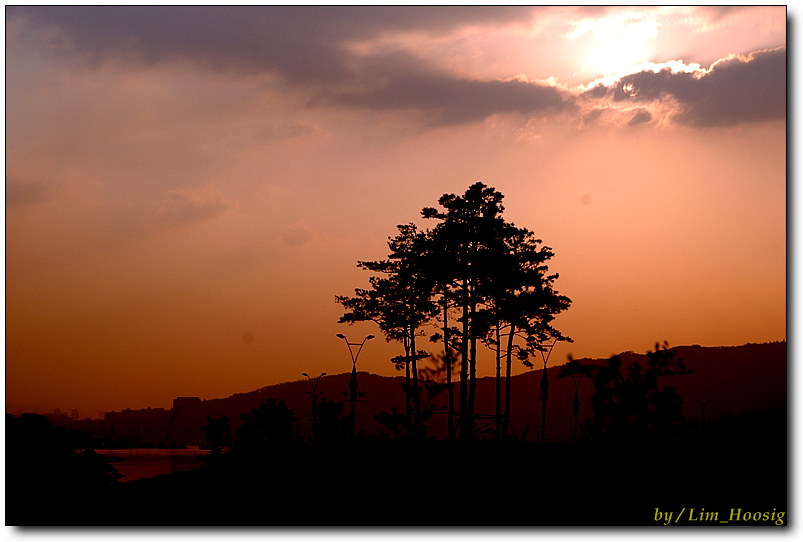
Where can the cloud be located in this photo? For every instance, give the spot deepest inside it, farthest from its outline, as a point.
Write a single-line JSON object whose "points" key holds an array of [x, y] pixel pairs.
{"points": [[296, 236], [735, 90], [642, 116], [189, 206], [305, 46], [24, 193], [448, 99], [626, 25], [289, 130], [301, 43], [315, 51]]}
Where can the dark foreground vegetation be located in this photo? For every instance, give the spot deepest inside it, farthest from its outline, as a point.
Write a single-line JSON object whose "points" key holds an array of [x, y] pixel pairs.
{"points": [[636, 461], [517, 484], [387, 482]]}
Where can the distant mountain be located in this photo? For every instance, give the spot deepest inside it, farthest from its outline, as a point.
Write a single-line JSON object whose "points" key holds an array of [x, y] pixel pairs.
{"points": [[738, 382]]}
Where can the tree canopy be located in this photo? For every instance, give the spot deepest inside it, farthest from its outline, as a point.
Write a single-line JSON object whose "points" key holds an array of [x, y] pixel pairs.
{"points": [[472, 269]]}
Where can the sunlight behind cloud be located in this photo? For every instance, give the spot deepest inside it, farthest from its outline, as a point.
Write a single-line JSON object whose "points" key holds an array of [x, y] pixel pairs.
{"points": [[618, 40], [629, 25], [616, 55], [676, 66]]}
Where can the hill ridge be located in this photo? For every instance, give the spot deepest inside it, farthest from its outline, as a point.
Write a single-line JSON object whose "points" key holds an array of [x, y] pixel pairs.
{"points": [[734, 379]]}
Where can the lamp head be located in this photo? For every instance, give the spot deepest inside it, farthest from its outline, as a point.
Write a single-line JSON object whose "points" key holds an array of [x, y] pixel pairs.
{"points": [[369, 337], [340, 335]]}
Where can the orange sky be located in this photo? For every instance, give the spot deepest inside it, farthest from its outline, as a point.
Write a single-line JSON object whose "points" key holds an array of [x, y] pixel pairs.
{"points": [[178, 179]]}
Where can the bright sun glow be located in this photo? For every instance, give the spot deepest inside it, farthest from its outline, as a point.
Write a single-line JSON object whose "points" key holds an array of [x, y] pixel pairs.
{"points": [[617, 43], [614, 56]]}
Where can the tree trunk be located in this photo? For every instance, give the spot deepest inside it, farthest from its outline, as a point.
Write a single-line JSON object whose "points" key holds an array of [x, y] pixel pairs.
{"points": [[498, 412], [472, 384], [465, 429], [508, 360], [544, 399], [448, 356], [408, 406], [416, 393]]}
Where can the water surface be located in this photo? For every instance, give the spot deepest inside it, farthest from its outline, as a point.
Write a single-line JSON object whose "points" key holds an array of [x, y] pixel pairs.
{"points": [[146, 462]]}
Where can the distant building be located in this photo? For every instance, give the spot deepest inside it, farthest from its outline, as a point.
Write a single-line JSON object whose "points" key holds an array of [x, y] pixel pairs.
{"points": [[146, 426]]}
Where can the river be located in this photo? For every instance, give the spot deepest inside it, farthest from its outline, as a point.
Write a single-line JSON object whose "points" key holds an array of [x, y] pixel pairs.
{"points": [[147, 462]]}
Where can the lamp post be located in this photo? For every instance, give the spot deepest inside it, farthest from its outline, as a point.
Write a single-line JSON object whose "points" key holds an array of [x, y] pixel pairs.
{"points": [[577, 371], [545, 390], [314, 410], [352, 392], [702, 409], [576, 403]]}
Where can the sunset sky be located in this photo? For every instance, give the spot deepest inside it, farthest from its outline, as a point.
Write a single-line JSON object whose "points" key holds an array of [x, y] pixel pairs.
{"points": [[189, 188]]}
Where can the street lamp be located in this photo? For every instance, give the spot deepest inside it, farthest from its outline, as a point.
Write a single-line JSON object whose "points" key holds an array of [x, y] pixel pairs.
{"points": [[314, 410], [352, 392], [577, 371], [576, 403], [545, 390]]}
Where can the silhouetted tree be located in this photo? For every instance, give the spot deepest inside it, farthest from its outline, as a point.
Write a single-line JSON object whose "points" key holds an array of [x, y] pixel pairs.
{"points": [[393, 421], [521, 304], [472, 268], [497, 275], [272, 423], [332, 426], [41, 461], [399, 302], [438, 263], [468, 234], [217, 434], [635, 407]]}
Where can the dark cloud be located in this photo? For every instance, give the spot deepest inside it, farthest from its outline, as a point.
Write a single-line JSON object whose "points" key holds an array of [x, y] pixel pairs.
{"points": [[592, 116], [301, 43], [296, 236], [734, 91], [24, 193], [641, 117], [241, 40], [185, 207], [451, 100], [720, 13], [306, 46], [309, 48]]}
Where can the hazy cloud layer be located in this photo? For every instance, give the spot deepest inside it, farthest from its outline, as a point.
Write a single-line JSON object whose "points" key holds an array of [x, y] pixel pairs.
{"points": [[306, 46], [296, 236], [23, 193], [302, 43], [311, 47], [184, 206]]}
